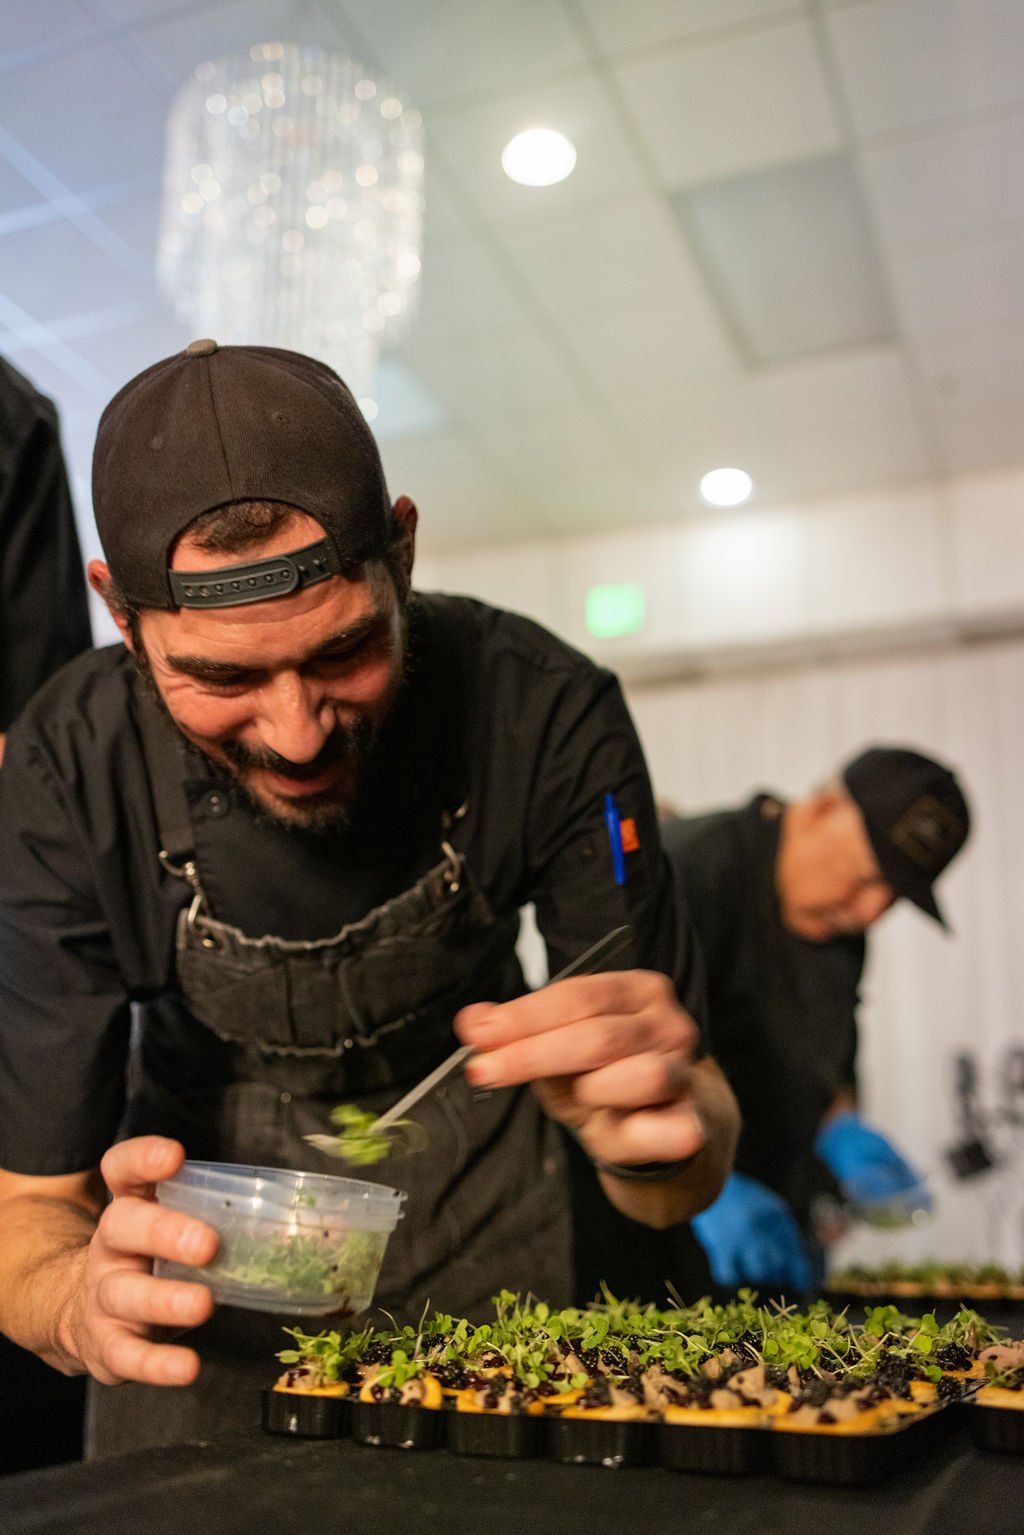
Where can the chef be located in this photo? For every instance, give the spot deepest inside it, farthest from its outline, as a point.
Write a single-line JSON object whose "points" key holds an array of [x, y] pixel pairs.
{"points": [[288, 826], [782, 895], [44, 612]]}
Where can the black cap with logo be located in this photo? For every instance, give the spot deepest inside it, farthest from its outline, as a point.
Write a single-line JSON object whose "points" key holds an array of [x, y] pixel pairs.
{"points": [[916, 818], [221, 424]]}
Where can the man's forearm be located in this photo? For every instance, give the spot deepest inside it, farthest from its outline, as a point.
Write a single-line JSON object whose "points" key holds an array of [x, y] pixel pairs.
{"points": [[699, 1182], [44, 1246]]}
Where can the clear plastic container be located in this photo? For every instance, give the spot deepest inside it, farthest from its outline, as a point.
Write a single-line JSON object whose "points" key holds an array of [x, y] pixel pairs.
{"points": [[909, 1206], [301, 1243]]}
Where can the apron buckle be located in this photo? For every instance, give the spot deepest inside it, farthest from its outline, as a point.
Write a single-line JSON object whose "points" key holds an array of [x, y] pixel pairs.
{"points": [[195, 911], [452, 876]]}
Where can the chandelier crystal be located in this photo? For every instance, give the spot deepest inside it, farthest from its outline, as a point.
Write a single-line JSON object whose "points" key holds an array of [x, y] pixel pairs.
{"points": [[293, 207]]}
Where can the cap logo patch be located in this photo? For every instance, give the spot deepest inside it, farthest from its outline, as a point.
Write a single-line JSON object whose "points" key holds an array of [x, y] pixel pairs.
{"points": [[928, 832]]}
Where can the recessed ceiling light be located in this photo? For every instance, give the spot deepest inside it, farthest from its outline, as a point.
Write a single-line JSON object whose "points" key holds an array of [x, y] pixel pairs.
{"points": [[726, 487], [538, 158]]}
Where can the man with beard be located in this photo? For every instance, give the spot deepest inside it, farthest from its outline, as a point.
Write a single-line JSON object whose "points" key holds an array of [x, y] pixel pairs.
{"points": [[292, 821]]}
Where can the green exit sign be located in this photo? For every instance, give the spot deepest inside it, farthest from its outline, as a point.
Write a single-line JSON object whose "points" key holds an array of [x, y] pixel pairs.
{"points": [[616, 610]]}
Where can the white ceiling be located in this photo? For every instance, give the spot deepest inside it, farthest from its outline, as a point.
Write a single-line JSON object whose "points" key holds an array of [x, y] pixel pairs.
{"points": [[573, 366]]}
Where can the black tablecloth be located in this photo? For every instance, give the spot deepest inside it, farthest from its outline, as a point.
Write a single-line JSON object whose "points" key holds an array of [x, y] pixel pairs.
{"points": [[259, 1482]]}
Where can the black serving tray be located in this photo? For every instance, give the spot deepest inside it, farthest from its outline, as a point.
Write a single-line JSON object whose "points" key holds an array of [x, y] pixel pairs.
{"points": [[997, 1428], [851, 1460], [400, 1426], [305, 1416], [601, 1441], [509, 1435], [724, 1449]]}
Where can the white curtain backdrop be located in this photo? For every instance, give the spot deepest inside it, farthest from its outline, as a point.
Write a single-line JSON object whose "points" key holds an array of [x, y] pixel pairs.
{"points": [[927, 997]]}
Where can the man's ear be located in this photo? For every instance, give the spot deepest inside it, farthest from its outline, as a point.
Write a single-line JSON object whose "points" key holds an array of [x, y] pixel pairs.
{"points": [[824, 803], [102, 583], [406, 516]]}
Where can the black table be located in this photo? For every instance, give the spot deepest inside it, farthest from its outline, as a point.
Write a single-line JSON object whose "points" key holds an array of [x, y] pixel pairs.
{"points": [[257, 1482]]}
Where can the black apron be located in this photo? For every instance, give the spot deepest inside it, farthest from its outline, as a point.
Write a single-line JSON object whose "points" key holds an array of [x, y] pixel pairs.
{"points": [[358, 1017]]}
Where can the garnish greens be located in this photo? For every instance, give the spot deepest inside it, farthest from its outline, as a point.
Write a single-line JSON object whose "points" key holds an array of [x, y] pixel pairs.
{"points": [[303, 1264], [359, 1141]]}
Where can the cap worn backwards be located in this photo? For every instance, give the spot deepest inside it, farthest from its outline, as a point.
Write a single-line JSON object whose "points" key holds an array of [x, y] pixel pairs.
{"points": [[916, 817], [220, 424]]}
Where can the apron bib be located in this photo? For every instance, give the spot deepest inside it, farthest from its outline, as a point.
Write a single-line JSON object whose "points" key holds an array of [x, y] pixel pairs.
{"points": [[359, 1016]]}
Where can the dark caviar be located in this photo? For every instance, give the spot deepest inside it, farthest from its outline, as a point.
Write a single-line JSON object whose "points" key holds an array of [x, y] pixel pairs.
{"points": [[953, 1356], [896, 1374], [453, 1376]]}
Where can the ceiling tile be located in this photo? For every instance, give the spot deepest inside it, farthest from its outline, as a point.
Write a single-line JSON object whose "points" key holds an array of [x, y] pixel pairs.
{"points": [[448, 49], [100, 135], [135, 11], [135, 220], [470, 139], [848, 421], [967, 286], [177, 44], [977, 394], [53, 271], [732, 106], [591, 258], [646, 23], [645, 349], [15, 191], [790, 254], [948, 183], [444, 219], [405, 407], [509, 376], [581, 477], [41, 25], [464, 294], [463, 498], [905, 63], [815, 428], [121, 350]]}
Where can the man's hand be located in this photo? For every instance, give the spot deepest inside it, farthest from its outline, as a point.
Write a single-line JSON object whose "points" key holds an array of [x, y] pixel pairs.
{"points": [[610, 1055], [751, 1238], [76, 1281]]}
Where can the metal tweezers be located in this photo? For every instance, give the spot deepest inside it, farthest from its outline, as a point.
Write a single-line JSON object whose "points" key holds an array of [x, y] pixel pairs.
{"points": [[611, 944]]}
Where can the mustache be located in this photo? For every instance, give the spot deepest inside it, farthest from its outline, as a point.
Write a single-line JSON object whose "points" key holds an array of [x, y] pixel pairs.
{"points": [[346, 743]]}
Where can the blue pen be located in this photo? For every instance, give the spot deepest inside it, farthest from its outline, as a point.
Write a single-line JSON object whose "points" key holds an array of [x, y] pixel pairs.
{"points": [[613, 821]]}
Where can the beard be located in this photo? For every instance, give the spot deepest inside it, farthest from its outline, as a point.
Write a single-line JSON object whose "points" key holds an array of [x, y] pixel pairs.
{"points": [[349, 749]]}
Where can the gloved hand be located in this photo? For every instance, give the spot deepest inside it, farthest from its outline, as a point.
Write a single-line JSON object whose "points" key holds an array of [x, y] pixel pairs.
{"points": [[869, 1170], [752, 1238]]}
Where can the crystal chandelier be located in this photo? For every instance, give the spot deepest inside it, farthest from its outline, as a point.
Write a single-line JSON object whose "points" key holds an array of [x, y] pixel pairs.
{"points": [[293, 207]]}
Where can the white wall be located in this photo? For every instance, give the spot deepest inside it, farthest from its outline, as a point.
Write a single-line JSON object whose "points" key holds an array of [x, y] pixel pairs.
{"points": [[934, 559]]}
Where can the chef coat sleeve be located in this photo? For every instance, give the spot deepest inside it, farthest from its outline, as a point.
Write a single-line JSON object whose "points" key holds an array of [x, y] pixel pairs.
{"points": [[64, 1011], [44, 613], [592, 750]]}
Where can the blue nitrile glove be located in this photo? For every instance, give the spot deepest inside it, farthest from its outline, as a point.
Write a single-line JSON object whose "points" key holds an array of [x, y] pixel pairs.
{"points": [[868, 1169], [752, 1238]]}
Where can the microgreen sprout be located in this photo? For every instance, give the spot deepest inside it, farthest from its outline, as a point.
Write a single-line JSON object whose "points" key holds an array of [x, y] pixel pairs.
{"points": [[360, 1142]]}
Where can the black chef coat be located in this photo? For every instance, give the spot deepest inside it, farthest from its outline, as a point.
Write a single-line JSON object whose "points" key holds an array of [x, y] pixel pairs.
{"points": [[44, 614], [87, 913], [781, 1016]]}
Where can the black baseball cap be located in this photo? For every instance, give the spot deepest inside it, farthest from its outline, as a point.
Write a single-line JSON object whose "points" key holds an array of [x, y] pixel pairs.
{"points": [[214, 425], [916, 818]]}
